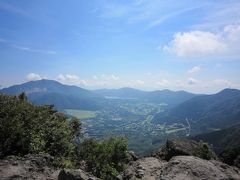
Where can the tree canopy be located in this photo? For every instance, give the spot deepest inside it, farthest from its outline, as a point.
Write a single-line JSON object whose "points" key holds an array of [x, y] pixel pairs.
{"points": [[27, 128]]}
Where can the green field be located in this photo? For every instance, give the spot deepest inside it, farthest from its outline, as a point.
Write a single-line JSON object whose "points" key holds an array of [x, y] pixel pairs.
{"points": [[81, 114]]}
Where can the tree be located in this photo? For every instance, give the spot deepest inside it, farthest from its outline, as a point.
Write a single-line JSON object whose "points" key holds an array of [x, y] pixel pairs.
{"points": [[26, 128], [105, 158]]}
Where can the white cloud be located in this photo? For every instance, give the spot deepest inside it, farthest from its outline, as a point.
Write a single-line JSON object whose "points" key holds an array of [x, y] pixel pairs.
{"points": [[163, 83], [110, 77], [139, 83], [233, 32], [192, 81], [72, 79], [23, 48], [61, 77], [95, 77], [195, 43], [222, 82], [33, 77], [170, 15], [194, 70], [179, 84], [220, 44], [96, 80]]}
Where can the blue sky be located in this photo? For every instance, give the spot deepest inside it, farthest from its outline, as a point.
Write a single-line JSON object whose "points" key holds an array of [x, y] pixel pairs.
{"points": [[189, 44]]}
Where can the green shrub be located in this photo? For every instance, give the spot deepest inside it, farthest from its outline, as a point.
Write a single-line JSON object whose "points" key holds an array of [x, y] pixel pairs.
{"points": [[26, 128], [105, 158], [205, 152]]}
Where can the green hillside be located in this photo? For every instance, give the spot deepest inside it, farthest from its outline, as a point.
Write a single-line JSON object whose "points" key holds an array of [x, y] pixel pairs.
{"points": [[60, 95], [205, 113]]}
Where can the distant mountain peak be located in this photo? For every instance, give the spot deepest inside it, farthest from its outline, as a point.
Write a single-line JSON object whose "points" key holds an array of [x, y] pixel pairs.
{"points": [[63, 96], [229, 90]]}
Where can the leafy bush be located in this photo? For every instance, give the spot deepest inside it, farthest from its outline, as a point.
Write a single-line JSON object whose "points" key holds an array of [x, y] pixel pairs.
{"points": [[205, 152], [26, 128], [105, 158], [228, 156]]}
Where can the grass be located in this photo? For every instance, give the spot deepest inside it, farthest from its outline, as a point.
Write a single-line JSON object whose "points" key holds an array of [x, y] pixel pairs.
{"points": [[81, 114]]}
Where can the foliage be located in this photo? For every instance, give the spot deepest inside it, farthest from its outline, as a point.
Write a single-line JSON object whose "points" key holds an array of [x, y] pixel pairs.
{"points": [[105, 158], [205, 152], [26, 128], [228, 156]]}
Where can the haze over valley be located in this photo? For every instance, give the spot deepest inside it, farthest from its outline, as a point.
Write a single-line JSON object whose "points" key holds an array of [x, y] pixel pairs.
{"points": [[146, 118], [127, 90]]}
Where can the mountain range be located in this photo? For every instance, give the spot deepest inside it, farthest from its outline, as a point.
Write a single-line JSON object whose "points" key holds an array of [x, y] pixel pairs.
{"points": [[205, 113], [53, 92], [171, 98], [223, 139], [73, 97], [225, 142]]}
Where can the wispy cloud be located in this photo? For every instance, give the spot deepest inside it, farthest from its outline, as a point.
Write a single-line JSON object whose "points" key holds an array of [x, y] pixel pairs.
{"points": [[192, 81], [12, 9], [102, 80], [170, 15], [152, 13], [28, 49], [72, 79], [219, 15], [33, 77], [25, 48], [163, 83], [222, 82], [114, 10], [194, 70], [2, 40]]}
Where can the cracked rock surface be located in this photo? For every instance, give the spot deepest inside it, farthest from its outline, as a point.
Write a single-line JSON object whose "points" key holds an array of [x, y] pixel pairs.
{"points": [[179, 168]]}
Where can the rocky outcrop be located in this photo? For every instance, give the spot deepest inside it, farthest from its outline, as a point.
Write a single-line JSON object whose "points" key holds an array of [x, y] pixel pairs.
{"points": [[133, 156], [189, 167], [38, 167], [175, 161], [186, 147], [145, 168], [176, 147], [77, 174], [179, 168], [28, 167], [237, 161]]}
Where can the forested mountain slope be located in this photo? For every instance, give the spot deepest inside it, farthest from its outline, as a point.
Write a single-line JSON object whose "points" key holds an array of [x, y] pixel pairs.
{"points": [[53, 92], [206, 112]]}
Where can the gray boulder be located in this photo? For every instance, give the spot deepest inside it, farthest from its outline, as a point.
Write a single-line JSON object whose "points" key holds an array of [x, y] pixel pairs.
{"points": [[146, 168], [186, 147], [28, 167], [78, 174], [237, 161], [179, 168], [194, 168]]}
